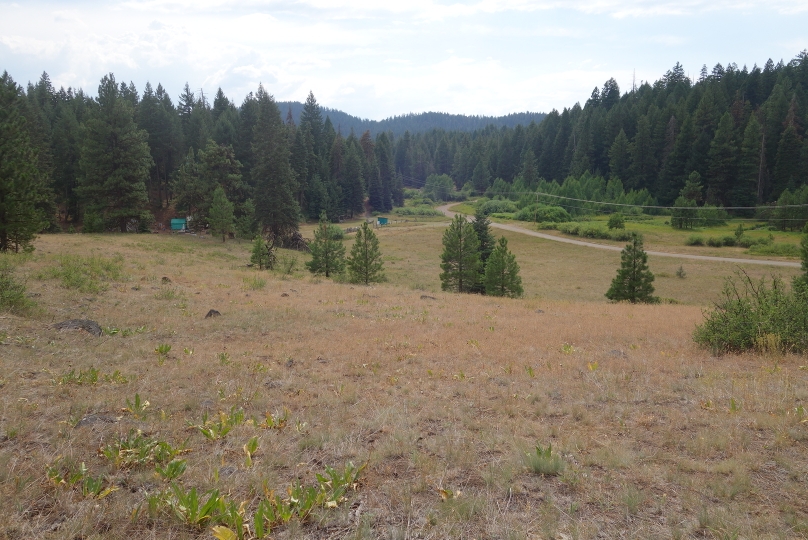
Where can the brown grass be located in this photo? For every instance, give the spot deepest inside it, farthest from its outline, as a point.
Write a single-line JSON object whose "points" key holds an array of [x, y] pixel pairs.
{"points": [[435, 394]]}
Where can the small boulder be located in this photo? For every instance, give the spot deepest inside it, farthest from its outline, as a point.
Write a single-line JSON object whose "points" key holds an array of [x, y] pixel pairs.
{"points": [[165, 280], [427, 297], [86, 325], [212, 313]]}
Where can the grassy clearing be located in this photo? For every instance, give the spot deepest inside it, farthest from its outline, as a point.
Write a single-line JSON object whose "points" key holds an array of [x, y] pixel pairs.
{"points": [[476, 417]]}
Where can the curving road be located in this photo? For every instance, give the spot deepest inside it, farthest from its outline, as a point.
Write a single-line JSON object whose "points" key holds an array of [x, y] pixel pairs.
{"points": [[512, 228]]}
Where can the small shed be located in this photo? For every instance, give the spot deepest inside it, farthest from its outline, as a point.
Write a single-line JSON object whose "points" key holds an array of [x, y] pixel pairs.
{"points": [[382, 221], [178, 224]]}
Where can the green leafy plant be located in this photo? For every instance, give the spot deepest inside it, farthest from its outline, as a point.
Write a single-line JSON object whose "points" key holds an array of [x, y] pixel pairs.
{"points": [[218, 428], [172, 470], [64, 474], [137, 407], [544, 461], [91, 376], [273, 421], [250, 449], [137, 449], [189, 508]]}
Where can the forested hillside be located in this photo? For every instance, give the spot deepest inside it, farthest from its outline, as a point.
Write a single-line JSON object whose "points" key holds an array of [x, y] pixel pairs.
{"points": [[736, 134], [414, 122]]}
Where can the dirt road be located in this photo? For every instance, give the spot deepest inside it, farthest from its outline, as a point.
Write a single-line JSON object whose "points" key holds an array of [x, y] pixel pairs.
{"points": [[513, 228]]}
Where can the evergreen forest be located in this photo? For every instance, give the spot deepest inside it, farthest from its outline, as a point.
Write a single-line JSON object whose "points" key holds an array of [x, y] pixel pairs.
{"points": [[733, 138]]}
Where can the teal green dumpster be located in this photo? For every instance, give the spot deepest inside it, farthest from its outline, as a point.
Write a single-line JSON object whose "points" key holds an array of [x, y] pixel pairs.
{"points": [[178, 224]]}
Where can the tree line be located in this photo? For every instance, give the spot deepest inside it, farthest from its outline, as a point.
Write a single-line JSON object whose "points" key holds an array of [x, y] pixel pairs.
{"points": [[116, 160]]}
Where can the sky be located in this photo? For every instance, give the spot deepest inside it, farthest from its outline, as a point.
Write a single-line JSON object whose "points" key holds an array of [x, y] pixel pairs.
{"points": [[381, 58]]}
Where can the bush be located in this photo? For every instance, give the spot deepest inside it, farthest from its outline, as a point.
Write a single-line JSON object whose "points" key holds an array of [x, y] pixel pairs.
{"points": [[755, 315], [775, 250], [542, 213], [422, 210], [499, 207], [714, 242], [694, 240], [12, 292], [616, 221], [93, 223], [728, 241]]}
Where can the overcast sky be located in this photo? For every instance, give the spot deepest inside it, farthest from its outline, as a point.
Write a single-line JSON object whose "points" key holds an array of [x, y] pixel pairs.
{"points": [[379, 58]]}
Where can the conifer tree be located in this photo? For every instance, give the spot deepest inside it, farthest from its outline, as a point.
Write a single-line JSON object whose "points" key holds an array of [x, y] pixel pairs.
{"points": [[745, 190], [721, 173], [327, 252], [633, 280], [365, 261], [22, 188], [352, 183], [262, 254], [502, 272], [460, 260], [275, 204], [115, 159], [220, 216], [482, 228]]}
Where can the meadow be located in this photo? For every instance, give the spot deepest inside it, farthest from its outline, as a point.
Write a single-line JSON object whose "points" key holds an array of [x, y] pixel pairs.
{"points": [[425, 414]]}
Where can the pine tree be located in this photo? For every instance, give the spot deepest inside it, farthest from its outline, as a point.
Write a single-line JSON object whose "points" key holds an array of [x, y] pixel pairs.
{"points": [[482, 228], [745, 190], [643, 162], [460, 260], [263, 253], [327, 252], [633, 280], [787, 165], [721, 173], [619, 157], [502, 272], [115, 159], [275, 204], [220, 216], [21, 184], [365, 261], [352, 183]]}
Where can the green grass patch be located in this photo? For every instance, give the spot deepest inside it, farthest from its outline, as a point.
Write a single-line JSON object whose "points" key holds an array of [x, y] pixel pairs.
{"points": [[12, 291], [776, 249], [421, 210], [86, 274]]}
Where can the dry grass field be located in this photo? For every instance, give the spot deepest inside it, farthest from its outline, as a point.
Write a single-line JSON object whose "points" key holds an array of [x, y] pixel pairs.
{"points": [[554, 416]]}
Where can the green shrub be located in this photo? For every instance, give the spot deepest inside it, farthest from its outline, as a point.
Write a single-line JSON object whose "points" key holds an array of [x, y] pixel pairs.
{"points": [[756, 315], [12, 292], [421, 210], [502, 215], [714, 242], [776, 250], [616, 221], [93, 223], [547, 226], [621, 236], [543, 213], [571, 228], [694, 240], [499, 207]]}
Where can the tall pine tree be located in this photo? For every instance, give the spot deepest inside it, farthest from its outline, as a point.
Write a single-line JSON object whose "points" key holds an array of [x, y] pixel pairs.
{"points": [[275, 204], [115, 159]]}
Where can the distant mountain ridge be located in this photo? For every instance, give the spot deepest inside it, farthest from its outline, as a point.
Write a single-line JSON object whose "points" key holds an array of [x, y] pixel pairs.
{"points": [[413, 122]]}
